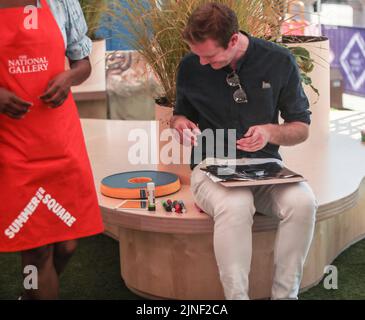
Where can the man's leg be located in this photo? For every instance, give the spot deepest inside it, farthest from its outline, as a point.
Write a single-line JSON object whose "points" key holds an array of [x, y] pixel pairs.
{"points": [[232, 210], [42, 259], [295, 205], [63, 251]]}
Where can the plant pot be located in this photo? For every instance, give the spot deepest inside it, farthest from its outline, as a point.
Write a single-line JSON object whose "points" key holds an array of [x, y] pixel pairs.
{"points": [[96, 81], [180, 165], [320, 106]]}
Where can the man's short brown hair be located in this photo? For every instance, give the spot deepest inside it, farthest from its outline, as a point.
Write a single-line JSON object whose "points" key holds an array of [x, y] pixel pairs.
{"points": [[211, 21]]}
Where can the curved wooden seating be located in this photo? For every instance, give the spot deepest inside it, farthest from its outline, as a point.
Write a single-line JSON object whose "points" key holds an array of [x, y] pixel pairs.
{"points": [[171, 256]]}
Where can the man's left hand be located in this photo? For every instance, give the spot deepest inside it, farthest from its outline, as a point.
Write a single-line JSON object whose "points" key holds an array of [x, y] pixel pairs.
{"points": [[256, 138], [58, 90]]}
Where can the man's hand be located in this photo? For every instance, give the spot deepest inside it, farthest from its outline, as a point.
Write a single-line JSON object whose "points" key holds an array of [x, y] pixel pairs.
{"points": [[286, 134], [58, 90], [187, 130], [255, 139], [13, 106]]}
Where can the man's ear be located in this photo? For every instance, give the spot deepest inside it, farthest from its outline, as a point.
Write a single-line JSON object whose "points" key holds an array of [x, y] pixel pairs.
{"points": [[234, 40]]}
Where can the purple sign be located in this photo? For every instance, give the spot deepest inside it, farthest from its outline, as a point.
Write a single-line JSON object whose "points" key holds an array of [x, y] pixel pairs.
{"points": [[348, 54]]}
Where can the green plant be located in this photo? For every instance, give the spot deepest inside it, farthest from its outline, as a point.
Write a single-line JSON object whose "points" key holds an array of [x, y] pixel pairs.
{"points": [[155, 31], [306, 65], [94, 11]]}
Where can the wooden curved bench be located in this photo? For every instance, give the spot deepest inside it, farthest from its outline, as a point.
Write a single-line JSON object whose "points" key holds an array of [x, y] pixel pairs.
{"points": [[171, 256]]}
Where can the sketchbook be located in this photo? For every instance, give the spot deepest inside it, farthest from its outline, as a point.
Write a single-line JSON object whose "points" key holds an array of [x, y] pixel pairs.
{"points": [[251, 175]]}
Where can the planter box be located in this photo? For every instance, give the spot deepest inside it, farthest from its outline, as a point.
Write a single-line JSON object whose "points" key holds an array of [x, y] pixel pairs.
{"points": [[320, 106]]}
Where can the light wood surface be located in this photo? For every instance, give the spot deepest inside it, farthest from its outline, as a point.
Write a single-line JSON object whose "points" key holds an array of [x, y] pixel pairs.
{"points": [[91, 105], [89, 96], [171, 255]]}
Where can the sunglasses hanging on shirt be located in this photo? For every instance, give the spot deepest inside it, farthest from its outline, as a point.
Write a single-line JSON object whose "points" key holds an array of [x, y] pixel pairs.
{"points": [[233, 80]]}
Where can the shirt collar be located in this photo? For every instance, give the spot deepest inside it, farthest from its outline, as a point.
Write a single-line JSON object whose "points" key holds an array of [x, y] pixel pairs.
{"points": [[241, 61], [248, 52]]}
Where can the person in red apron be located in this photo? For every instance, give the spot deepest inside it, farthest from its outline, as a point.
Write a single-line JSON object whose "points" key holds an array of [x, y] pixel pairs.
{"points": [[47, 198]]}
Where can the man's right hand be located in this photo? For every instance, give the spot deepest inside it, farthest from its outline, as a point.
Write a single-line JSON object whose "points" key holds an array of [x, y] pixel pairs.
{"points": [[187, 130], [13, 106]]}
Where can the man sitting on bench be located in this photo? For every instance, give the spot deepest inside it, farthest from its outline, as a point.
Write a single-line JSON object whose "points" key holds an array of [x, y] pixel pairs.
{"points": [[231, 80]]}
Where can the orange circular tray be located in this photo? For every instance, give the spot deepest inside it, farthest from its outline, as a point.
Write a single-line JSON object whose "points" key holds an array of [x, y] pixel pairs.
{"points": [[133, 184]]}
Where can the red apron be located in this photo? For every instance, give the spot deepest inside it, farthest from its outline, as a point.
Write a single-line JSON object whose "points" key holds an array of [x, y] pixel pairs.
{"points": [[47, 189]]}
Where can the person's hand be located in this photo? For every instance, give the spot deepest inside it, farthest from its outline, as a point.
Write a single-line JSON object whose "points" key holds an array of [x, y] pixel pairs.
{"points": [[58, 90], [13, 106], [186, 129], [255, 139]]}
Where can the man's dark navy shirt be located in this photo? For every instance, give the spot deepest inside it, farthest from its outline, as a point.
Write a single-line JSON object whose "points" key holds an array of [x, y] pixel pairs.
{"points": [[204, 97]]}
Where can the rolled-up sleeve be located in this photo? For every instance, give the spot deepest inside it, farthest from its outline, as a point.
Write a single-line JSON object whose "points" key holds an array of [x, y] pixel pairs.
{"points": [[79, 44], [293, 102]]}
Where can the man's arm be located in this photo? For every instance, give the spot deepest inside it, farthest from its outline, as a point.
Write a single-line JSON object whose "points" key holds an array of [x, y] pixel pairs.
{"points": [[287, 134], [294, 108], [80, 71], [185, 117]]}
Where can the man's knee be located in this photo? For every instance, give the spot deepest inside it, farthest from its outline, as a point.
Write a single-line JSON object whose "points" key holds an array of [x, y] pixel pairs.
{"points": [[66, 249], [300, 201], [197, 177], [237, 206], [38, 256]]}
